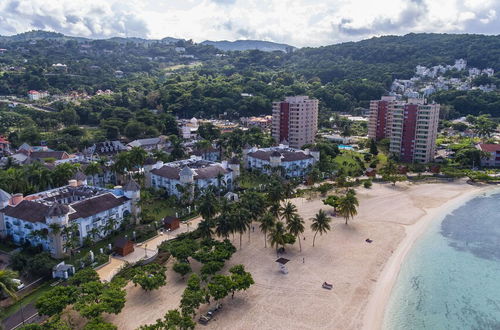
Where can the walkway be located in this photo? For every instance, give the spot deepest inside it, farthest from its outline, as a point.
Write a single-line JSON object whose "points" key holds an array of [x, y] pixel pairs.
{"points": [[143, 250]]}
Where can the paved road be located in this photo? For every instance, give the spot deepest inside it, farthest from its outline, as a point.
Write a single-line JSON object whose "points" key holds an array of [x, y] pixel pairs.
{"points": [[29, 314], [28, 105]]}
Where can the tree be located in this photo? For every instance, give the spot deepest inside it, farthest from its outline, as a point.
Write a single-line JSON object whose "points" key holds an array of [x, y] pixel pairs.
{"points": [[240, 220], [255, 205], [95, 298], [242, 280], [193, 296], [277, 235], [150, 277], [205, 229], [211, 267], [137, 156], [267, 222], [320, 224], [373, 147], [92, 170], [53, 302], [182, 249], [173, 320], [288, 211], [332, 201], [348, 205], [7, 284], [484, 126], [99, 324], [220, 286], [182, 268], [83, 276], [208, 205], [296, 227]]}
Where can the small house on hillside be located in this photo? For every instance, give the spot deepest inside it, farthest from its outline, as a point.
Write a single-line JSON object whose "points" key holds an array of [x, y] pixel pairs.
{"points": [[171, 222], [123, 246]]}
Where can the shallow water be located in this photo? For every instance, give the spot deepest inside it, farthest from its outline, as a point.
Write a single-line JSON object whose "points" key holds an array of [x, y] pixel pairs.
{"points": [[451, 277]]}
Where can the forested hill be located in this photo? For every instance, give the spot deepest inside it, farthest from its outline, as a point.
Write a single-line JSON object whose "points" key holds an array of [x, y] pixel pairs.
{"points": [[243, 45], [380, 57], [188, 79]]}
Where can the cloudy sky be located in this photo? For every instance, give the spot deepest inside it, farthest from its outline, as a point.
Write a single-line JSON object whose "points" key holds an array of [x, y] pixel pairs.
{"points": [[296, 22]]}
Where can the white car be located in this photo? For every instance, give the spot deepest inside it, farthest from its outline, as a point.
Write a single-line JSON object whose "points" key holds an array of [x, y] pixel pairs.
{"points": [[20, 284]]}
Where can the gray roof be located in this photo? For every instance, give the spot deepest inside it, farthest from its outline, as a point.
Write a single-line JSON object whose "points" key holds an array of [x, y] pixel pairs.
{"points": [[79, 176], [207, 172], [145, 142], [186, 171], [132, 185], [4, 196], [286, 156], [57, 209]]}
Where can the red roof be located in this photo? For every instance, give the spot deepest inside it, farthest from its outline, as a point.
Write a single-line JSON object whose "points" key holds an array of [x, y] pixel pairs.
{"points": [[33, 92], [490, 147]]}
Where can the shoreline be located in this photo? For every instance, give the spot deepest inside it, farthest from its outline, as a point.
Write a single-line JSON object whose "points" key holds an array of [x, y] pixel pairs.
{"points": [[379, 298]]}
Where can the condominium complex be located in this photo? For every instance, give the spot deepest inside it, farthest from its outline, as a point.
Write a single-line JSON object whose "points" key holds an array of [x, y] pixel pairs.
{"points": [[411, 126], [295, 120]]}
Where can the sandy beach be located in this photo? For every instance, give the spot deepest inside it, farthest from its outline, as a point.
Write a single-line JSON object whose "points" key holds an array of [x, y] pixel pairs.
{"points": [[362, 273]]}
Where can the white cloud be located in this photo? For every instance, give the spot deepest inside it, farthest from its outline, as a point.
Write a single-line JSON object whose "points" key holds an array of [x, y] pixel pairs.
{"points": [[297, 22]]}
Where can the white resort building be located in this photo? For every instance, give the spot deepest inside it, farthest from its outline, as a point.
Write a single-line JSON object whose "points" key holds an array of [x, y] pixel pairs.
{"points": [[293, 162], [42, 219], [195, 172]]}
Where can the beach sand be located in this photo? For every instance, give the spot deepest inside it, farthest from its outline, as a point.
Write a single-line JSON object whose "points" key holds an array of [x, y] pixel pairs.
{"points": [[362, 273]]}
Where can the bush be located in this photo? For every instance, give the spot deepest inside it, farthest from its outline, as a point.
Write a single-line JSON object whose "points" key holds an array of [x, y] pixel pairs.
{"points": [[367, 184], [182, 268]]}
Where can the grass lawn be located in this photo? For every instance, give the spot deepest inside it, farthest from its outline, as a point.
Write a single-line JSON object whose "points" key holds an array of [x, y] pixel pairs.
{"points": [[347, 162], [251, 180], [32, 297], [160, 208]]}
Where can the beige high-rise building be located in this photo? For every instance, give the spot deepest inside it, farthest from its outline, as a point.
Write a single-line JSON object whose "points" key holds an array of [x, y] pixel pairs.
{"points": [[295, 120], [410, 126]]}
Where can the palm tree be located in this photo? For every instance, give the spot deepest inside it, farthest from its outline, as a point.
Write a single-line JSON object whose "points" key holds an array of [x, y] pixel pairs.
{"points": [[137, 156], [288, 190], [92, 170], [7, 284], [320, 224], [240, 221], [205, 229], [208, 205], [288, 211], [255, 205], [223, 226], [296, 227], [266, 223], [274, 209], [348, 205], [277, 235], [94, 233], [111, 225]]}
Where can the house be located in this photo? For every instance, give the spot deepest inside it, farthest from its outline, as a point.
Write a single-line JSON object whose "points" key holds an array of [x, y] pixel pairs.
{"points": [[30, 219], [150, 144], [37, 95], [43, 155], [171, 222], [211, 154], [4, 146], [193, 173], [106, 148], [292, 162], [123, 246], [493, 150]]}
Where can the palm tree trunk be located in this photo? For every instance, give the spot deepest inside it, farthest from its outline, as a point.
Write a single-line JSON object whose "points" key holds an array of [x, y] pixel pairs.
{"points": [[346, 220], [314, 238], [300, 244], [241, 235], [265, 239]]}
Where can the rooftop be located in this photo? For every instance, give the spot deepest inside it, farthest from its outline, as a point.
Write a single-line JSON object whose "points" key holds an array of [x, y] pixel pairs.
{"points": [[202, 169]]}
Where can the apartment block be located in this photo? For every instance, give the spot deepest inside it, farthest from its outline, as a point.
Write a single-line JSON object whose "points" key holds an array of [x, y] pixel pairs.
{"points": [[295, 120], [411, 126]]}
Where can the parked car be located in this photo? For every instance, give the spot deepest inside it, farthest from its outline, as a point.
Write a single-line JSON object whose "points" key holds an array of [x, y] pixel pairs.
{"points": [[204, 319], [19, 283]]}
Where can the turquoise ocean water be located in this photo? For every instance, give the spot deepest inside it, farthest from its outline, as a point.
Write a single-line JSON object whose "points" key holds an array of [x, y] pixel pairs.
{"points": [[451, 277]]}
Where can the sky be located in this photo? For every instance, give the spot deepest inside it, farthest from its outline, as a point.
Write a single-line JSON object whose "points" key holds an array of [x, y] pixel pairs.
{"points": [[295, 22]]}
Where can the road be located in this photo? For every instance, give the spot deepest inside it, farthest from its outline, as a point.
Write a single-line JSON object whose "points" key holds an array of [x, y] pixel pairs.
{"points": [[28, 105]]}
